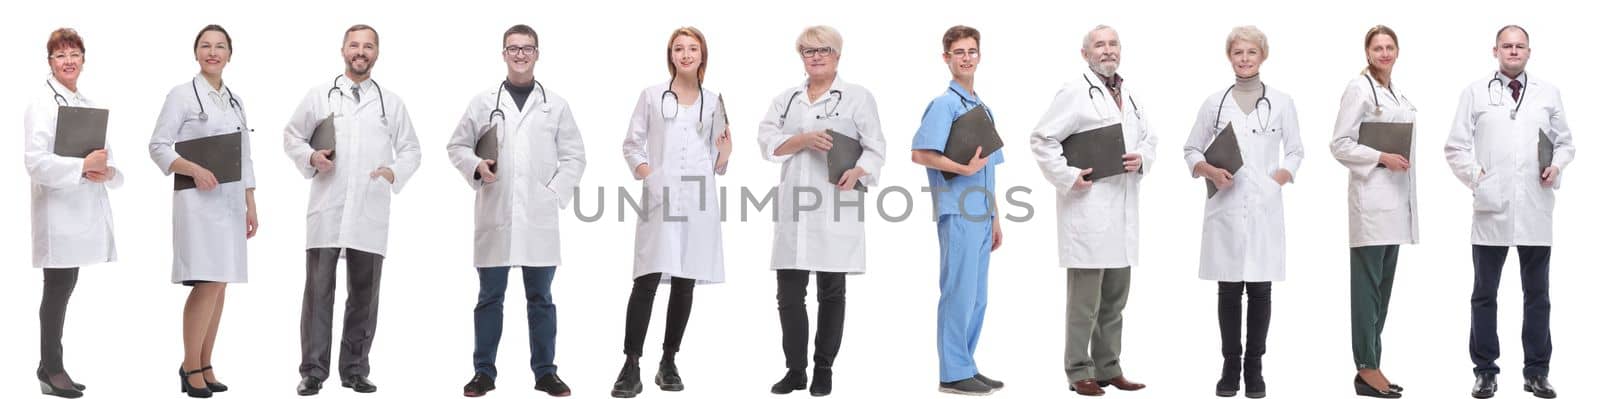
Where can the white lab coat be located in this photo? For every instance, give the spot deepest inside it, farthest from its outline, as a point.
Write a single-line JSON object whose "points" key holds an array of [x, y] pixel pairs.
{"points": [[208, 227], [71, 215], [1243, 237], [821, 239], [1098, 227], [1382, 203], [541, 160], [682, 237], [348, 208], [1510, 206]]}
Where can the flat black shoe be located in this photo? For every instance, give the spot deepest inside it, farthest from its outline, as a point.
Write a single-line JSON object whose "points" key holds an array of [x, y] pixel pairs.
{"points": [[793, 380], [67, 390], [480, 385], [667, 378], [183, 382], [1484, 386], [552, 384], [821, 381], [992, 383], [1539, 386], [359, 383], [308, 386], [628, 384], [969, 386], [1364, 389]]}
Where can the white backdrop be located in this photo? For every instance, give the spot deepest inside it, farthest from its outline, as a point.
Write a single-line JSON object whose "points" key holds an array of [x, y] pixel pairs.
{"points": [[123, 325]]}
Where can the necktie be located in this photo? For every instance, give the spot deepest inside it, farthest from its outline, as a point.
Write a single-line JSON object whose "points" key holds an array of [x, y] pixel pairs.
{"points": [[1516, 90], [356, 91]]}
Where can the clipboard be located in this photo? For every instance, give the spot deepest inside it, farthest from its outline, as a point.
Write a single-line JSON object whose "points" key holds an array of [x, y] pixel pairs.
{"points": [[1387, 137], [842, 157], [970, 131], [1100, 149], [325, 136], [1223, 153], [221, 154], [80, 130]]}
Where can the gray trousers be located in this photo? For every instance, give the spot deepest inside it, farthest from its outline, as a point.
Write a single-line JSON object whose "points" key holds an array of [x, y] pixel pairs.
{"points": [[1095, 298], [364, 270]]}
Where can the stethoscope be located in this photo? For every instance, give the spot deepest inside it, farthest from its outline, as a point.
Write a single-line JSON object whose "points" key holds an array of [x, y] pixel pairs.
{"points": [[543, 100], [837, 98], [1098, 108], [1376, 102], [1498, 101], [1260, 124], [60, 99], [381, 108], [964, 100], [232, 102], [700, 123]]}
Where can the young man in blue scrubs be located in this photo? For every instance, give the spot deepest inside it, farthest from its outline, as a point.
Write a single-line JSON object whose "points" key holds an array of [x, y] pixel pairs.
{"points": [[968, 227]]}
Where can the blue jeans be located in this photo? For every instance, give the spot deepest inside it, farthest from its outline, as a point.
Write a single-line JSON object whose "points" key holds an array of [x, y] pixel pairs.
{"points": [[488, 316]]}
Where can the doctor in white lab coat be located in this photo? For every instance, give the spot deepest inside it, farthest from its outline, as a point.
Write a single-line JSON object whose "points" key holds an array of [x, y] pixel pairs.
{"points": [[1382, 202], [1242, 241], [1493, 149], [677, 142], [519, 199], [821, 226], [68, 201], [375, 153], [1097, 221], [210, 222]]}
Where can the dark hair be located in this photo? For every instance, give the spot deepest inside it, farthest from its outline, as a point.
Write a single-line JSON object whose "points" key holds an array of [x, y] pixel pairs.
{"points": [[1503, 30], [361, 27], [213, 28], [520, 29], [959, 32], [62, 39]]}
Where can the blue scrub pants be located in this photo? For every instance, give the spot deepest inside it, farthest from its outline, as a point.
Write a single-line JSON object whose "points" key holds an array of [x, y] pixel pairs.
{"points": [[963, 292]]}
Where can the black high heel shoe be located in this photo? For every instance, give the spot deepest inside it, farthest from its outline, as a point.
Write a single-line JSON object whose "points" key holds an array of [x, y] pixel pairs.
{"points": [[183, 383], [215, 387], [48, 388], [1364, 389]]}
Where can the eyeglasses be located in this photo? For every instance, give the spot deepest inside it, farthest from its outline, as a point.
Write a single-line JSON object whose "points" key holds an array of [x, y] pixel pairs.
{"points": [[525, 50], [819, 51], [963, 52]]}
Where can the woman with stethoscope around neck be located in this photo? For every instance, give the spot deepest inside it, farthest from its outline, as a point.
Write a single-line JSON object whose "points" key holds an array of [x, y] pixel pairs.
{"points": [[1242, 240], [70, 207], [677, 142], [1382, 203], [211, 222]]}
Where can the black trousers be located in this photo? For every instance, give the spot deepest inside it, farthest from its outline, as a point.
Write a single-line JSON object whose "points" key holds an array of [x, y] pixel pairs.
{"points": [[1487, 262], [58, 286], [792, 316], [1230, 314], [640, 302], [365, 271]]}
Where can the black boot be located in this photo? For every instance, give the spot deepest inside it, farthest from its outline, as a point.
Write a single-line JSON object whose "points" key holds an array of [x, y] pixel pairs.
{"points": [[628, 384], [792, 381], [821, 381], [1228, 385], [1254, 385], [667, 377]]}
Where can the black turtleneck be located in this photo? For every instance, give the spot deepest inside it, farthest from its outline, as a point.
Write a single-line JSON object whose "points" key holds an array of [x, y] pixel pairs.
{"points": [[518, 93]]}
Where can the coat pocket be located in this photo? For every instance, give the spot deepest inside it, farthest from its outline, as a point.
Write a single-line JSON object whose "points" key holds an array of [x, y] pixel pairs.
{"points": [[1489, 195]]}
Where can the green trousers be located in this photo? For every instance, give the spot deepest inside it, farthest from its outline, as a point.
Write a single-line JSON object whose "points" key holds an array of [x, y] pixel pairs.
{"points": [[1095, 298], [1371, 280]]}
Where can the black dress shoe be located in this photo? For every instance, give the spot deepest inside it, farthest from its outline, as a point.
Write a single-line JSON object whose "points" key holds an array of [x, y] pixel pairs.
{"points": [[793, 380], [552, 384], [359, 383], [821, 381], [992, 383], [1365, 389], [969, 386], [183, 382], [480, 385], [215, 387], [667, 378], [62, 388], [1539, 386], [309, 386], [628, 384], [1484, 386]]}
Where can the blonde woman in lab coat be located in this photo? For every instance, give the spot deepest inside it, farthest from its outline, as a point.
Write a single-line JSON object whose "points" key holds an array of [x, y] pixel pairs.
{"points": [[823, 241], [1383, 204], [677, 143], [69, 202], [1242, 240]]}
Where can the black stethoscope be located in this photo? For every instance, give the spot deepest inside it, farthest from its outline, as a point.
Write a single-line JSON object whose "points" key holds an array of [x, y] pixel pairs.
{"points": [[381, 107], [1497, 101], [964, 100], [1260, 124], [1376, 102], [544, 100], [838, 97], [60, 99], [1092, 89], [232, 102], [700, 88]]}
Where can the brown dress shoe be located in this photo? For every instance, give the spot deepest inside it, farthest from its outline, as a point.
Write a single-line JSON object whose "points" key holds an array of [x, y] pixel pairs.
{"points": [[1087, 388], [1122, 384]]}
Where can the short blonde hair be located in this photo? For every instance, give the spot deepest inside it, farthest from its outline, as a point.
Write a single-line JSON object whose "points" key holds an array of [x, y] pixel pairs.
{"points": [[819, 36], [1247, 33]]}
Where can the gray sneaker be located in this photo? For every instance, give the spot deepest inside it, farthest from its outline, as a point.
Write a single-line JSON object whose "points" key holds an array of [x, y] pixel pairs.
{"points": [[970, 386], [992, 383]]}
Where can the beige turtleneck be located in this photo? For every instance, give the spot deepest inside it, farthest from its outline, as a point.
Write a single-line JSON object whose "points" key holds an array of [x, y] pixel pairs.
{"points": [[1246, 91]]}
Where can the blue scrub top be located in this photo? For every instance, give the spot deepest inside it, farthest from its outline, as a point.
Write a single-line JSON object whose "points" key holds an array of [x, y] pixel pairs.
{"points": [[932, 135]]}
